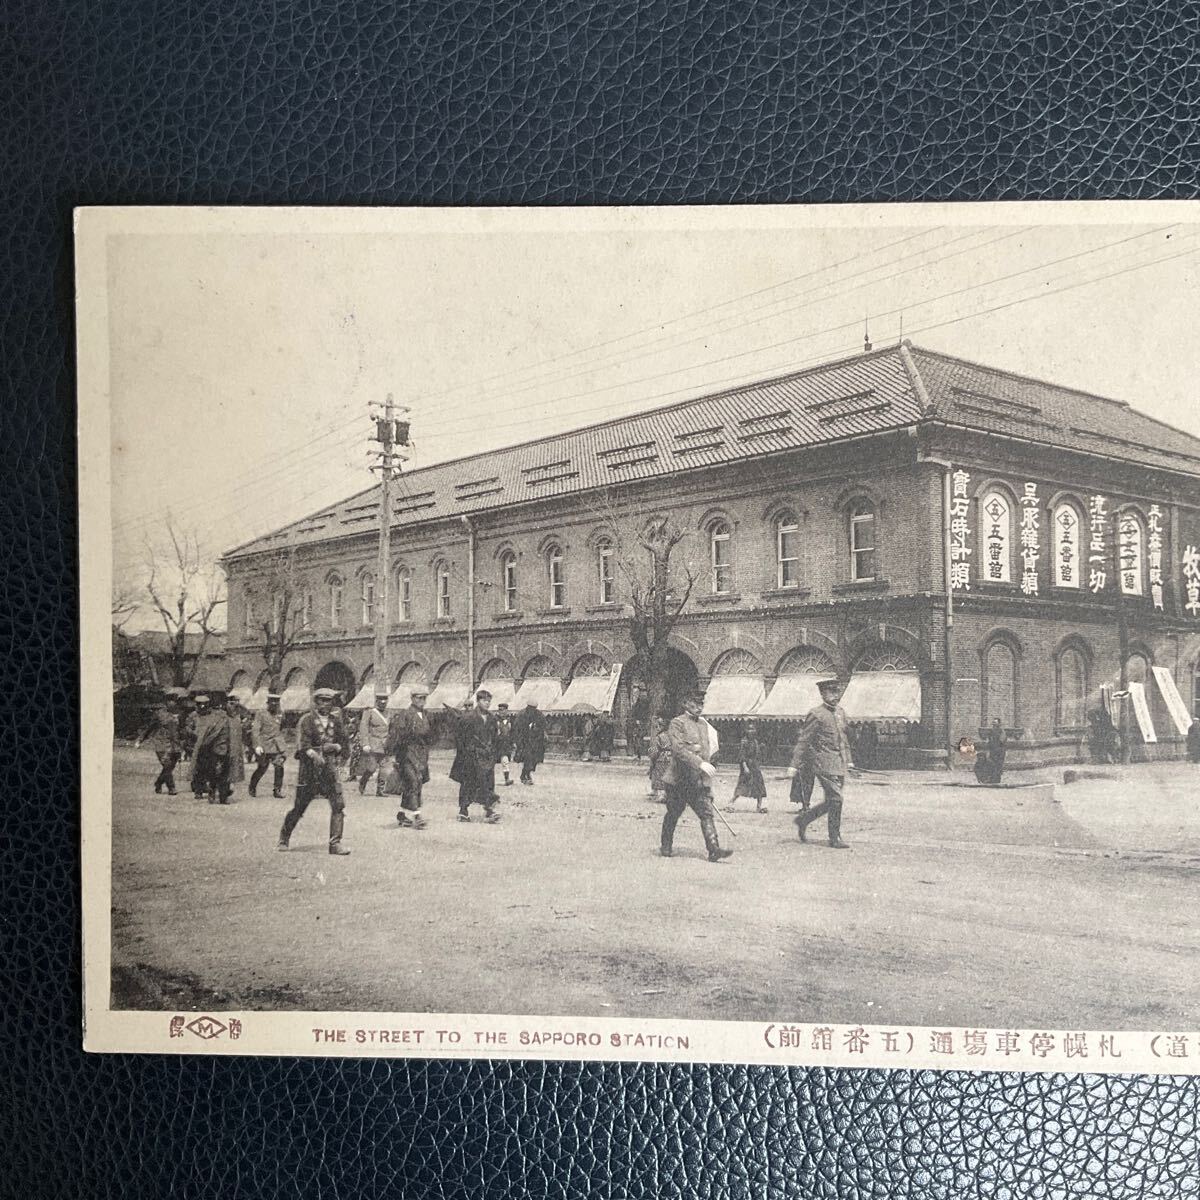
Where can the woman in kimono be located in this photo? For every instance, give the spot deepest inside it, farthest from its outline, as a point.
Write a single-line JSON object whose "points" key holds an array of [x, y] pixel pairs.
{"points": [[660, 759], [750, 780]]}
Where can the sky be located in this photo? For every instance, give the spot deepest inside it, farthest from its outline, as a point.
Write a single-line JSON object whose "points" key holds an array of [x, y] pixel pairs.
{"points": [[244, 348]]}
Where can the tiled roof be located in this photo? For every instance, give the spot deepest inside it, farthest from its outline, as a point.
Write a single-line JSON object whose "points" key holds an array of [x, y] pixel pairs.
{"points": [[869, 393]]}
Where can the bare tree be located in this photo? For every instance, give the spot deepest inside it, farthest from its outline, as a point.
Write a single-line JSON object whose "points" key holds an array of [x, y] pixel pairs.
{"points": [[125, 600], [185, 588], [649, 557], [285, 617]]}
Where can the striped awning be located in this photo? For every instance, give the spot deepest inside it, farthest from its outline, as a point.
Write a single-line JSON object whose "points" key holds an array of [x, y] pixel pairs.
{"points": [[450, 693], [791, 697], [586, 694], [545, 691], [364, 697], [883, 696], [733, 695], [503, 691], [258, 701], [241, 694], [296, 699]]}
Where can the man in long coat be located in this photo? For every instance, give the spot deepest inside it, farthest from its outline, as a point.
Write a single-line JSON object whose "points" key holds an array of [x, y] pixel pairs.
{"points": [[210, 761], [270, 747], [320, 745], [474, 767], [688, 777], [237, 744], [408, 740], [163, 732], [824, 748], [529, 732]]}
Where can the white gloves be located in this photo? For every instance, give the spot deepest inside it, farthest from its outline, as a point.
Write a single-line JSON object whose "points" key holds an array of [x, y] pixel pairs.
{"points": [[708, 769]]}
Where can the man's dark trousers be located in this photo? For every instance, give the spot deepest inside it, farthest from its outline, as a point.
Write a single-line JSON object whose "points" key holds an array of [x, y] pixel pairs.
{"points": [[699, 800], [831, 785]]}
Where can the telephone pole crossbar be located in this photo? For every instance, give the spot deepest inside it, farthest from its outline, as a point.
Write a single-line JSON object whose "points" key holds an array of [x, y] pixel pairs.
{"points": [[390, 432]]}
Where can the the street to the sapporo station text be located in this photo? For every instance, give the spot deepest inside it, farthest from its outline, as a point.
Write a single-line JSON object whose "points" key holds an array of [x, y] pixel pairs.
{"points": [[1065, 907]]}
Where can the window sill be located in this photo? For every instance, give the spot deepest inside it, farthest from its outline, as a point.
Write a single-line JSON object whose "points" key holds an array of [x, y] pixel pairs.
{"points": [[720, 598], [611, 606], [788, 593], [565, 611], [861, 585], [508, 614], [445, 621], [1071, 731]]}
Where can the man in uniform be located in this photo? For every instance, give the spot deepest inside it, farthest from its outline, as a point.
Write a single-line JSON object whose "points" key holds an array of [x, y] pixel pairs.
{"points": [[210, 762], [237, 749], [529, 731], [321, 741], [187, 723], [163, 731], [504, 741], [824, 748], [270, 748], [688, 777], [408, 739], [372, 737], [474, 767]]}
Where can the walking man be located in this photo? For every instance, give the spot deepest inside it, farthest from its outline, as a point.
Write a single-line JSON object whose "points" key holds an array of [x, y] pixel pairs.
{"points": [[529, 730], [408, 740], [824, 748], [474, 766], [237, 747], [270, 749], [163, 731], [688, 777], [504, 741], [321, 741], [372, 737], [210, 764]]}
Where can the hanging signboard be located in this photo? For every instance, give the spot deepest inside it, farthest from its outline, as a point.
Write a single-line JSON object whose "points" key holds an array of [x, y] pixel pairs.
{"points": [[1097, 555], [1154, 546], [1191, 579], [960, 532], [1030, 540]]}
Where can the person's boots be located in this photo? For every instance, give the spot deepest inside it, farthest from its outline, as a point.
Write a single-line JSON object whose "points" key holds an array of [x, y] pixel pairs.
{"points": [[667, 837], [802, 822], [362, 785], [709, 828], [277, 791], [337, 822], [290, 822], [835, 826]]}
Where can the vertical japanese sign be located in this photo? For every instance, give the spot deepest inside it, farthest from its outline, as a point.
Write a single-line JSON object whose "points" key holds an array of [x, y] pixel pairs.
{"points": [[960, 532], [1097, 556], [1030, 540], [1191, 579], [1154, 546], [996, 532], [1129, 554], [1066, 546]]}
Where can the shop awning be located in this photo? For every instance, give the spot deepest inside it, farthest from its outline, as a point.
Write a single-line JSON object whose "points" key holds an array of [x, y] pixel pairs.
{"points": [[734, 695], [587, 694], [296, 699], [1171, 697], [241, 693], [545, 691], [792, 697], [258, 701], [503, 691], [450, 692], [883, 696], [402, 696], [364, 697]]}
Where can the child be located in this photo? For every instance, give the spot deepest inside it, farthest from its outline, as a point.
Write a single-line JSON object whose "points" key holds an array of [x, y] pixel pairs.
{"points": [[660, 758], [750, 778]]}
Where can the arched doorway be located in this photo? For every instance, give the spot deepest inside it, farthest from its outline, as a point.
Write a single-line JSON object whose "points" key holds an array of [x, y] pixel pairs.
{"points": [[338, 676]]}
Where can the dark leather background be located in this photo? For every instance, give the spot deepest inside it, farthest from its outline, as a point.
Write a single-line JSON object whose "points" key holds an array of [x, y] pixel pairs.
{"points": [[348, 101]]}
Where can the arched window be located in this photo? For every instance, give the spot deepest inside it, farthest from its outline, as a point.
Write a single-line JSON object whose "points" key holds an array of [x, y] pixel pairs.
{"points": [[508, 581], [1131, 552], [995, 537], [441, 578], [862, 541], [367, 596], [1071, 679], [278, 614], [1137, 668], [306, 609], [248, 615], [604, 570], [787, 550], [1000, 684], [404, 594], [721, 557], [557, 577], [1067, 523], [337, 591]]}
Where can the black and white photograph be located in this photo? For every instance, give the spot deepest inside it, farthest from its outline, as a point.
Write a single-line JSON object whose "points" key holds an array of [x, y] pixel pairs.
{"points": [[764, 634]]}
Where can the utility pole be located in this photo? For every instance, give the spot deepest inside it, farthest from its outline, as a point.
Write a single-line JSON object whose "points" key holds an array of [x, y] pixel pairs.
{"points": [[390, 432]]}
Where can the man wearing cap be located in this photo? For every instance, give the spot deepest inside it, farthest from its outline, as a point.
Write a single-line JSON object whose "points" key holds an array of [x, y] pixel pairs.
{"points": [[163, 731], [270, 748], [321, 741], [529, 732], [372, 737], [210, 764], [504, 741], [474, 766], [408, 739], [824, 748], [688, 777], [237, 760]]}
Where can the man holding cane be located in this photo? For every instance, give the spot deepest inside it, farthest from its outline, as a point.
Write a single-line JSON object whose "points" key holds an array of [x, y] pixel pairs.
{"points": [[688, 777], [824, 748]]}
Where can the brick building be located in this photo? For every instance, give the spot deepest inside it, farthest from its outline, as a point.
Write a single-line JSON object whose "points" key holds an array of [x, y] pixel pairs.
{"points": [[826, 511]]}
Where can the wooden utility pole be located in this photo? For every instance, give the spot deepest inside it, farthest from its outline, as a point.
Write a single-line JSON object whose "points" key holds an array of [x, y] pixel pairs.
{"points": [[390, 432]]}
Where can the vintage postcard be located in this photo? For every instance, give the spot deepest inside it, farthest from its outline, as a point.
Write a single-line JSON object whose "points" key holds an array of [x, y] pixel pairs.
{"points": [[762, 635]]}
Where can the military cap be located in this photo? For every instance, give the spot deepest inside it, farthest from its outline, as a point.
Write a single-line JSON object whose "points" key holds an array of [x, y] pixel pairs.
{"points": [[324, 694], [501, 705], [825, 684], [202, 699], [419, 690]]}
